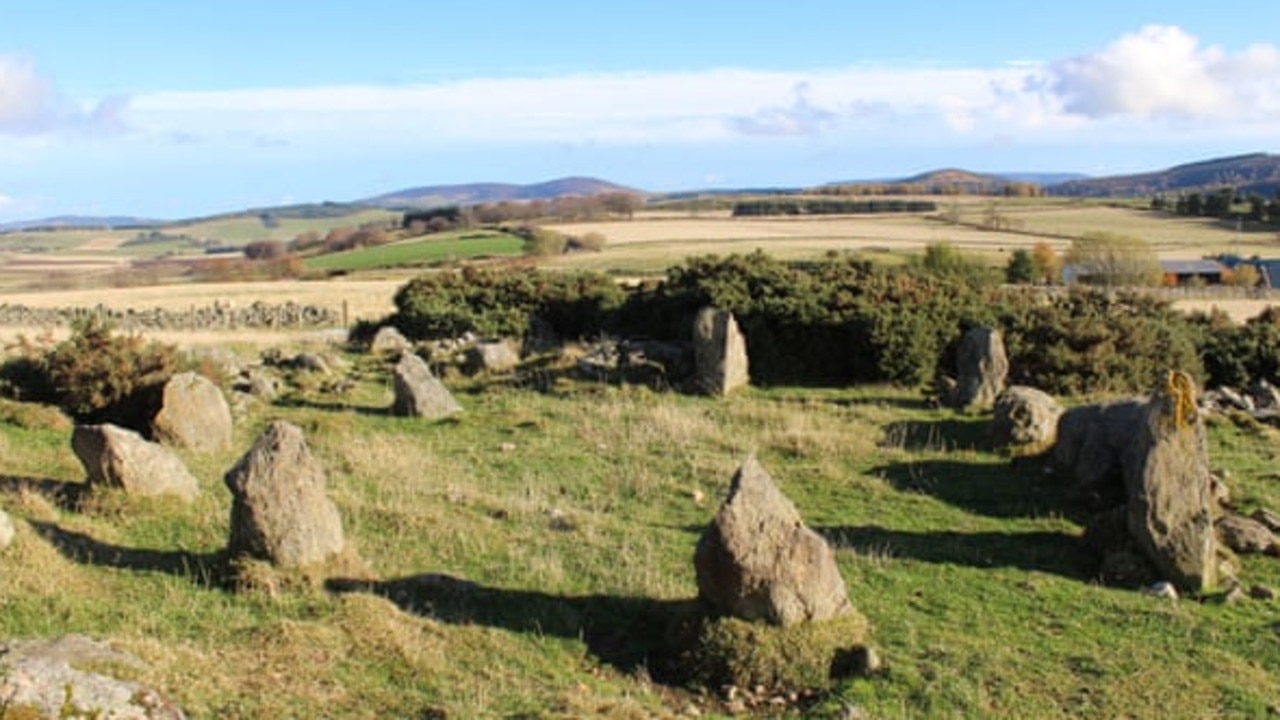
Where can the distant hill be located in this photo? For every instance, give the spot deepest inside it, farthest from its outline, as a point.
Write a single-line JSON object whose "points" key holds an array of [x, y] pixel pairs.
{"points": [[473, 193], [965, 181], [66, 222], [1254, 173]]}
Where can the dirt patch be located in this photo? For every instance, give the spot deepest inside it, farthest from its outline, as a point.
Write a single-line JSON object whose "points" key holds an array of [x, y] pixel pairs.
{"points": [[1237, 310]]}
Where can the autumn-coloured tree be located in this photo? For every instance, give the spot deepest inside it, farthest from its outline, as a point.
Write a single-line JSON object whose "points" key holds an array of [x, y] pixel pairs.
{"points": [[1048, 267], [1105, 258]]}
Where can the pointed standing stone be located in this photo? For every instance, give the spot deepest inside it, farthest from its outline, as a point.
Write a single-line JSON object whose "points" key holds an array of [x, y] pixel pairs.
{"points": [[720, 352], [757, 560], [279, 509], [1170, 508], [981, 367]]}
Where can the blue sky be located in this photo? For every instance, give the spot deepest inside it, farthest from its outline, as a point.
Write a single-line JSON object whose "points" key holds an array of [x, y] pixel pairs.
{"points": [[170, 109]]}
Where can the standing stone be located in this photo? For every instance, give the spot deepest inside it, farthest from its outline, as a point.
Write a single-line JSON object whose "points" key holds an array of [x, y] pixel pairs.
{"points": [[117, 457], [7, 531], [1092, 441], [389, 341], [719, 352], [981, 369], [279, 510], [419, 393], [1170, 508], [492, 356], [757, 560], [193, 414], [1024, 417]]}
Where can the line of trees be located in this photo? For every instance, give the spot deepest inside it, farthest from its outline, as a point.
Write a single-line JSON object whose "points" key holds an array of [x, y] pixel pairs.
{"points": [[1223, 203], [828, 206]]}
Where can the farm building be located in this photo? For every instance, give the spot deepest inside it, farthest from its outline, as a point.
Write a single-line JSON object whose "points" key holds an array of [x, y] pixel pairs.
{"points": [[1193, 272]]}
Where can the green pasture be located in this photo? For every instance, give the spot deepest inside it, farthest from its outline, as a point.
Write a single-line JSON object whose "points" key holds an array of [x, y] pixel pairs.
{"points": [[522, 558], [422, 251]]}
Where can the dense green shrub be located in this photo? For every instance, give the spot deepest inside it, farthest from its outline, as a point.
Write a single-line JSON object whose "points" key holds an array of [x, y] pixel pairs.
{"points": [[1237, 355], [501, 303], [1093, 341], [94, 375]]}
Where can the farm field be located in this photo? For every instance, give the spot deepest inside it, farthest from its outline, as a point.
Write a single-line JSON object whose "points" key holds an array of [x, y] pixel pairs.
{"points": [[421, 251], [78, 266]]}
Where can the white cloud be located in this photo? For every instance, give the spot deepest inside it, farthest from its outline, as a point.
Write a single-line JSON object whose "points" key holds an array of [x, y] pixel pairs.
{"points": [[1164, 72], [29, 104], [624, 108], [25, 98], [801, 117]]}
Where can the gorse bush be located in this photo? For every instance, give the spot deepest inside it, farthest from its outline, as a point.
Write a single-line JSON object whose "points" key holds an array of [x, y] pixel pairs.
{"points": [[502, 303], [1090, 341], [95, 375]]}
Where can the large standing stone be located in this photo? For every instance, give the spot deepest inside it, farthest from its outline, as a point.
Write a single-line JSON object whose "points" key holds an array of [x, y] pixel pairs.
{"points": [[118, 457], [1170, 507], [757, 560], [719, 352], [981, 369], [193, 414], [279, 510], [46, 675], [1091, 443], [420, 393], [1024, 417]]}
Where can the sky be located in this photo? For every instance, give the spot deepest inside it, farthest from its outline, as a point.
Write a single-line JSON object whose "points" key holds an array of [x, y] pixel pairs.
{"points": [[171, 110]]}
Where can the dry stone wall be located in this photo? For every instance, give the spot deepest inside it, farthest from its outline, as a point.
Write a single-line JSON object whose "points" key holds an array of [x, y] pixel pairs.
{"points": [[218, 316]]}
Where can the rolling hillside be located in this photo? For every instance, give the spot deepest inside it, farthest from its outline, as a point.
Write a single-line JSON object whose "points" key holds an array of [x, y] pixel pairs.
{"points": [[1254, 173], [468, 194]]}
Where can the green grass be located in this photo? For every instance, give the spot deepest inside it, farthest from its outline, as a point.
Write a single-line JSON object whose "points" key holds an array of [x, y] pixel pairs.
{"points": [[245, 228], [525, 555], [427, 250]]}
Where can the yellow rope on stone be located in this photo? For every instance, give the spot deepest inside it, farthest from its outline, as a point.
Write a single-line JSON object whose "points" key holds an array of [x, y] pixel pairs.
{"points": [[1181, 391]]}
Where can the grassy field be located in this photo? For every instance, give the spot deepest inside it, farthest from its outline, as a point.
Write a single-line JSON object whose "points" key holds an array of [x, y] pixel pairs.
{"points": [[422, 251], [522, 553]]}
